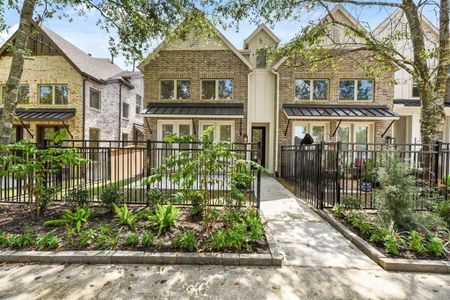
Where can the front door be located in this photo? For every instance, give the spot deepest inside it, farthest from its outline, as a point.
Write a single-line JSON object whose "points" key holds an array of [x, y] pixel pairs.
{"points": [[259, 136]]}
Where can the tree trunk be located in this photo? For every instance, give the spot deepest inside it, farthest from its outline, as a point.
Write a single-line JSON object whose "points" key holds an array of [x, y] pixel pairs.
{"points": [[12, 85]]}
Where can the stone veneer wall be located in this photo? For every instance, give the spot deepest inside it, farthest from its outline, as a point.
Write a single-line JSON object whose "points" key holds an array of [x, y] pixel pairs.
{"points": [[196, 65], [349, 67]]}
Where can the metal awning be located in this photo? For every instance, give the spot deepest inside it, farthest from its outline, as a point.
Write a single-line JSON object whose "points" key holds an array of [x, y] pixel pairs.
{"points": [[44, 114], [341, 112], [195, 110], [139, 127]]}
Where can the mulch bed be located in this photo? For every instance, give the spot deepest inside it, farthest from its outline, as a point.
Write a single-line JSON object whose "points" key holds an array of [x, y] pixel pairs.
{"points": [[404, 253], [21, 219]]}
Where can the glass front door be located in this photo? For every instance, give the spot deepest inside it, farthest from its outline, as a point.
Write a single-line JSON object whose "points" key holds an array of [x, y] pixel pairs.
{"points": [[259, 136]]}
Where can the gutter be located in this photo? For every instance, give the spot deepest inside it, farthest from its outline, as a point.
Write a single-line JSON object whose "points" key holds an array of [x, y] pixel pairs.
{"points": [[277, 113]]}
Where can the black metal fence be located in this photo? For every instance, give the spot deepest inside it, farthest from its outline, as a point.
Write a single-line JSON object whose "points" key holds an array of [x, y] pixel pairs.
{"points": [[125, 165], [323, 174]]}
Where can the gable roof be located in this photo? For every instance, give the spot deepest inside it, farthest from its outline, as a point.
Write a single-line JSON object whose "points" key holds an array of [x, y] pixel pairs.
{"points": [[396, 12], [98, 69], [257, 30], [216, 32]]}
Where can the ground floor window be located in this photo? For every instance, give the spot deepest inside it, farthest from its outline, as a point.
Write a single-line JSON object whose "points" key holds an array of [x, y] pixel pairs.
{"points": [[318, 131], [224, 130], [19, 133], [166, 128], [359, 133]]}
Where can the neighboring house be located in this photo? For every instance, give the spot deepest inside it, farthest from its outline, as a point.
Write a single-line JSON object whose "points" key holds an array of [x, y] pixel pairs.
{"points": [[406, 94], [63, 87], [191, 84]]}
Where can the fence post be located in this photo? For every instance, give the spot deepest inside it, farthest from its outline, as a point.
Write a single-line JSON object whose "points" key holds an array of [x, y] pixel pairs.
{"points": [[258, 180], [338, 173], [436, 162], [320, 150], [149, 161], [296, 188]]}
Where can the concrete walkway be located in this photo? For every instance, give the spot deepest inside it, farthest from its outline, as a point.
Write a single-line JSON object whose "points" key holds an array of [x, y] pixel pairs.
{"points": [[303, 237]]}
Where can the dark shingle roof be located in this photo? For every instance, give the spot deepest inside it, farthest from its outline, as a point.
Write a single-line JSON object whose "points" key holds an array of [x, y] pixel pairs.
{"points": [[199, 109], [338, 111], [44, 114], [413, 102]]}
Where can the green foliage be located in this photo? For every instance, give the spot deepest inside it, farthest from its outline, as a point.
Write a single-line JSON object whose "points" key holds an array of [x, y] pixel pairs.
{"points": [[77, 197], [110, 196], [351, 202], [337, 211], [132, 239], [235, 238], [436, 246], [255, 226], [147, 239], [395, 199], [379, 234], [86, 238], [77, 218], [46, 195], [49, 241], [416, 242], [185, 241], [443, 210], [392, 243], [125, 216], [19, 241], [163, 217], [197, 200], [154, 197], [429, 221]]}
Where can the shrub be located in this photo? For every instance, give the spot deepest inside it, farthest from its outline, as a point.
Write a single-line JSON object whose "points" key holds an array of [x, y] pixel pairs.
{"points": [[45, 195], [185, 241], [395, 199], [132, 239], [147, 239], [255, 226], [77, 217], [337, 211], [19, 241], [392, 243], [443, 210], [78, 197], [429, 220], [113, 240], [48, 241], [416, 242], [436, 246], [154, 197], [111, 195], [233, 238], [163, 217], [86, 238], [379, 234], [197, 200], [126, 217], [351, 202]]}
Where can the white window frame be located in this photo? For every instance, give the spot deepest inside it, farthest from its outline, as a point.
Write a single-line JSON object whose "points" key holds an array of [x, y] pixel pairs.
{"points": [[176, 126], [355, 96], [216, 131], [353, 125], [311, 89], [309, 125], [175, 86], [216, 95], [53, 85]]}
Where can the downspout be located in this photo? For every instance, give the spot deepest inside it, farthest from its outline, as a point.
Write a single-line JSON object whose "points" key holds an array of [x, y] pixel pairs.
{"points": [[277, 113], [84, 111], [120, 112], [249, 130]]}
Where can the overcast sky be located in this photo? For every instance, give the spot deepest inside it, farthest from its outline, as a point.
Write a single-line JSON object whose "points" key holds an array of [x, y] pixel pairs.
{"points": [[84, 33]]}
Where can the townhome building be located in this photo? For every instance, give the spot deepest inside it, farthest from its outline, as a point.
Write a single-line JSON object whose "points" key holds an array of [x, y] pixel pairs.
{"points": [[192, 84], [63, 87], [406, 93]]}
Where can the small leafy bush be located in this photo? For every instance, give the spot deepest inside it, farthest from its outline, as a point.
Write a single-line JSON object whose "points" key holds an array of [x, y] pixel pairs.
{"points": [[379, 234], [351, 202], [443, 210], [154, 197], [436, 246], [392, 243], [86, 238], [337, 211], [78, 197], [113, 239], [132, 239], [233, 238], [147, 239], [163, 217], [429, 220], [19, 241], [255, 226], [125, 216], [48, 241], [197, 200], [24, 241], [416, 242], [185, 241], [111, 195], [77, 218], [45, 196]]}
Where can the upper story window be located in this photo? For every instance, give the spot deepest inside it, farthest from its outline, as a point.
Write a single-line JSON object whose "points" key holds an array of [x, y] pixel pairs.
{"points": [[53, 94], [23, 96], [125, 110], [138, 104], [311, 89], [261, 58], [415, 89], [217, 89], [361, 90], [94, 98], [175, 89]]}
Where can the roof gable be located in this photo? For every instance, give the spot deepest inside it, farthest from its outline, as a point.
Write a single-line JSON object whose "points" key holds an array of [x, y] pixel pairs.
{"points": [[215, 42], [261, 27]]}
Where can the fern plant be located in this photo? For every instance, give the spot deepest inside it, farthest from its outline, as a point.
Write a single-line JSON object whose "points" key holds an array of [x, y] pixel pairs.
{"points": [[125, 216], [164, 217], [77, 218]]}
